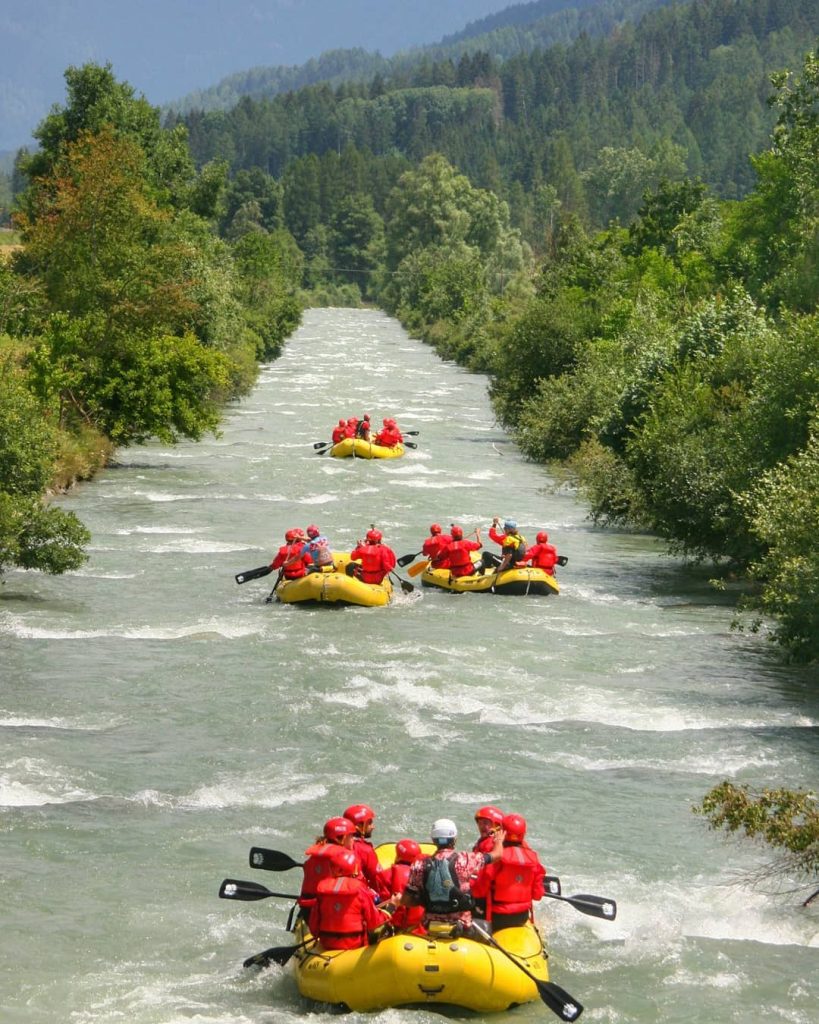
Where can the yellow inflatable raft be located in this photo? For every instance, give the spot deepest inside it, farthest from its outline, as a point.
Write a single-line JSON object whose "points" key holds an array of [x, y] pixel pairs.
{"points": [[413, 970], [358, 448], [333, 586], [526, 580], [422, 970]]}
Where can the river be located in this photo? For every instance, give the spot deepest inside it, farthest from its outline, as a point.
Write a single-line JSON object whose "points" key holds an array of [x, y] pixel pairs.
{"points": [[157, 719]]}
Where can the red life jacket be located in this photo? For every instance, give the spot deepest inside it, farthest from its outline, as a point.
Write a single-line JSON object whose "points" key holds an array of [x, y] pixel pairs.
{"points": [[340, 920], [317, 867], [339, 433], [508, 883], [396, 877], [437, 549], [543, 556], [375, 561], [292, 554], [460, 559]]}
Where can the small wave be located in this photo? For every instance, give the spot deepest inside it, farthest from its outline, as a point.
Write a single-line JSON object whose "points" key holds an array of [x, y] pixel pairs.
{"points": [[127, 531], [255, 791], [96, 575], [194, 547], [30, 782], [202, 630], [164, 496]]}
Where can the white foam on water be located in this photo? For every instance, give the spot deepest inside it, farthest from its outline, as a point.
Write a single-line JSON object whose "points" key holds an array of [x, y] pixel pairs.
{"points": [[162, 497], [31, 782], [127, 531], [193, 547], [257, 790], [210, 628], [91, 574], [720, 763], [11, 720]]}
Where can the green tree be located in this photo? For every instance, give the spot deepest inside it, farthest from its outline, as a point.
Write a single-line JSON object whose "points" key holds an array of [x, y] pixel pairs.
{"points": [[783, 508], [32, 535], [786, 820]]}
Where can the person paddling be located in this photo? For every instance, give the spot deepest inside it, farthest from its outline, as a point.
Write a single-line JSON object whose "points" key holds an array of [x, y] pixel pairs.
{"points": [[510, 884], [375, 560], [459, 552], [436, 547], [344, 915], [292, 558], [513, 546], [363, 820]]}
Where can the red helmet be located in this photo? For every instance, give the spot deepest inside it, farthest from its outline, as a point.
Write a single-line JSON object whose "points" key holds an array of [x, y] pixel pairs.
{"points": [[374, 536], [456, 533], [359, 814], [406, 851], [290, 535], [491, 814], [434, 529], [345, 863], [542, 537], [337, 829], [386, 422], [514, 826], [367, 416], [352, 419], [313, 531], [342, 423]]}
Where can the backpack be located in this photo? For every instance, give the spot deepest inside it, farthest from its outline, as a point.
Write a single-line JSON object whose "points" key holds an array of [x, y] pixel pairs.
{"points": [[442, 893]]}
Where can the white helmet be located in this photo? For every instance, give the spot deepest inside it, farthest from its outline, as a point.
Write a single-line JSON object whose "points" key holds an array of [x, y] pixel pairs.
{"points": [[443, 828]]}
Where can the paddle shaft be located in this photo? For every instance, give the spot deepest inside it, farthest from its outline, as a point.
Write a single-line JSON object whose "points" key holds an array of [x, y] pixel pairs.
{"points": [[281, 954], [557, 999]]}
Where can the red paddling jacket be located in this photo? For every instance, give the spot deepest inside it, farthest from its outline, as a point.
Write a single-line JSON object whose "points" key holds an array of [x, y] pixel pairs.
{"points": [[343, 913], [511, 883]]}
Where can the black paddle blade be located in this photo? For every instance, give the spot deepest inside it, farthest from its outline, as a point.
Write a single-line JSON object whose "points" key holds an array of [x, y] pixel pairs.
{"points": [[232, 889], [558, 1000], [411, 433], [278, 954], [410, 444], [321, 444], [253, 574], [594, 906], [406, 559], [562, 559], [271, 860], [551, 883]]}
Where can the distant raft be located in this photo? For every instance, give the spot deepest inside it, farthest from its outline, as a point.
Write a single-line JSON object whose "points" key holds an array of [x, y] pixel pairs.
{"points": [[519, 581], [358, 448], [333, 586]]}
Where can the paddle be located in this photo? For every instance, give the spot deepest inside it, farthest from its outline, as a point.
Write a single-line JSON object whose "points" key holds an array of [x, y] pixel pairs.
{"points": [[410, 444], [248, 892], [594, 906], [406, 559], [322, 444], [408, 588], [557, 999], [411, 433], [279, 578], [271, 860], [279, 954], [562, 559], [810, 899], [253, 574], [419, 567]]}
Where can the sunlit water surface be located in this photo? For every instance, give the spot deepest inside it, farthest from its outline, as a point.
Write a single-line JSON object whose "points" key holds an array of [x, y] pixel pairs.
{"points": [[157, 720]]}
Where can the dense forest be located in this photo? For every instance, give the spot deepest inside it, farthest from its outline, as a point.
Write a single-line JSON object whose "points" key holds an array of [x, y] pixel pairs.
{"points": [[622, 232]]}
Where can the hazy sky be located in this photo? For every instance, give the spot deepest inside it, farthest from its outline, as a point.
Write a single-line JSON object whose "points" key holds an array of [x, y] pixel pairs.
{"points": [[167, 48]]}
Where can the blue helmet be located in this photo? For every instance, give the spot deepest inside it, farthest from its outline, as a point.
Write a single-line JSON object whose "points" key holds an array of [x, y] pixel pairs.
{"points": [[510, 524]]}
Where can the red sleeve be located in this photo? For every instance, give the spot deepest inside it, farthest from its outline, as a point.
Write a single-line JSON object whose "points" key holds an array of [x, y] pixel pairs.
{"points": [[388, 558], [498, 538], [278, 561], [356, 553], [373, 917]]}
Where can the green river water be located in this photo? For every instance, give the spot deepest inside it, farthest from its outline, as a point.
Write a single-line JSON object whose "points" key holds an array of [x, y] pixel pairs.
{"points": [[157, 720]]}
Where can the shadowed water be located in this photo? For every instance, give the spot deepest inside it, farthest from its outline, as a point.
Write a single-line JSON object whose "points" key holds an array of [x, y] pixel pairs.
{"points": [[157, 720]]}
